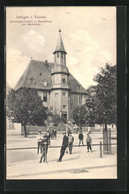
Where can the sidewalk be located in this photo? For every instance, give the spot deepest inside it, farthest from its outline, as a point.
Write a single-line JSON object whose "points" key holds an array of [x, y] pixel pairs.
{"points": [[24, 164]]}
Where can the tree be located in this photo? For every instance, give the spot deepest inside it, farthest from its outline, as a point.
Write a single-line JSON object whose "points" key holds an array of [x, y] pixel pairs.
{"points": [[105, 109], [84, 115], [25, 106], [80, 115], [54, 116]]}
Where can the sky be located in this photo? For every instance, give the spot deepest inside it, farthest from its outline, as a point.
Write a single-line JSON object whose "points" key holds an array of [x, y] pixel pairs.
{"points": [[88, 33]]}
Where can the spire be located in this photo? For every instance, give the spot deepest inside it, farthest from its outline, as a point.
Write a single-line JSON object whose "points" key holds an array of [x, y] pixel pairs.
{"points": [[60, 45]]}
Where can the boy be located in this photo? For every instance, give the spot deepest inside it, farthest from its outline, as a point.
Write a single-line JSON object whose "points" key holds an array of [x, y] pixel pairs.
{"points": [[89, 141], [71, 140], [80, 137], [39, 140]]}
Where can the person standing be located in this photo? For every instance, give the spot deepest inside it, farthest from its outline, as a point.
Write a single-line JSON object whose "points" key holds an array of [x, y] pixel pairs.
{"points": [[55, 132], [48, 137], [89, 142], [64, 146], [44, 149], [39, 140], [68, 128], [88, 130], [71, 140], [80, 137]]}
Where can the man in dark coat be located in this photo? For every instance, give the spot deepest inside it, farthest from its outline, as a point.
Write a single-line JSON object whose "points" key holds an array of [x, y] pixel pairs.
{"points": [[64, 146]]}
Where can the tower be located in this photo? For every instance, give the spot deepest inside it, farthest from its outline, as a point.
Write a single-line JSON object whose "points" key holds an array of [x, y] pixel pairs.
{"points": [[60, 75]]}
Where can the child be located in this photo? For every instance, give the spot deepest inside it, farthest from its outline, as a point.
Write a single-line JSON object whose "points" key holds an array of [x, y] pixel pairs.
{"points": [[39, 140], [80, 137], [71, 140], [89, 141]]}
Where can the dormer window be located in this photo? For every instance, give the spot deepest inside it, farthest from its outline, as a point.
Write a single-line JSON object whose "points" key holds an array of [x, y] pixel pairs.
{"points": [[78, 86], [45, 83], [32, 81]]}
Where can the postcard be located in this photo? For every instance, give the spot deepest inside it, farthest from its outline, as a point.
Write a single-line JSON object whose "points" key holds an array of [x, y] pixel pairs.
{"points": [[61, 93]]}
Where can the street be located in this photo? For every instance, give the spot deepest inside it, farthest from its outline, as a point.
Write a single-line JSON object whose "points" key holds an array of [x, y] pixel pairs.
{"points": [[24, 163]]}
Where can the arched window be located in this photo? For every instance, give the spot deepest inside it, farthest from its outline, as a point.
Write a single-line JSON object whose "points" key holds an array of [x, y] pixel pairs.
{"points": [[62, 55]]}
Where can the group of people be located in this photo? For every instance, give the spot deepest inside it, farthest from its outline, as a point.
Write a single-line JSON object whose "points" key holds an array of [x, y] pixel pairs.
{"points": [[88, 140], [42, 144], [67, 143]]}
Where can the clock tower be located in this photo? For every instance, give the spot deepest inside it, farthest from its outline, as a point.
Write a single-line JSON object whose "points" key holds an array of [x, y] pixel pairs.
{"points": [[60, 79]]}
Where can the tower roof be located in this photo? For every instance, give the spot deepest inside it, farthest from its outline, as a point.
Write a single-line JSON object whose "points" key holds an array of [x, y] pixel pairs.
{"points": [[60, 45]]}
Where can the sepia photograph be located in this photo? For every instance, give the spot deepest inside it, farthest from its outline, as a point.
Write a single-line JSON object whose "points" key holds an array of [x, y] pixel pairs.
{"points": [[61, 93]]}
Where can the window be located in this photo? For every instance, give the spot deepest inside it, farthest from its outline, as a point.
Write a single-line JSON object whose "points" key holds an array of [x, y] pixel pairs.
{"points": [[45, 83], [71, 99], [56, 95], [63, 80], [40, 73], [40, 94], [45, 96], [63, 93], [64, 106], [57, 55], [80, 99], [61, 55], [78, 86], [32, 81]]}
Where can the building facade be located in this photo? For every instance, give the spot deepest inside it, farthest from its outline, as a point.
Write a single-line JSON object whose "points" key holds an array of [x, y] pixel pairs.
{"points": [[54, 83]]}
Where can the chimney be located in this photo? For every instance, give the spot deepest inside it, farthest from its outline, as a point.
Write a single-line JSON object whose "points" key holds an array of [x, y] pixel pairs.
{"points": [[46, 63]]}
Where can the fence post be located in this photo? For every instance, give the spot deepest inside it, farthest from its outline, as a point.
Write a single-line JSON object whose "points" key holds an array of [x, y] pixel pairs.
{"points": [[100, 149], [105, 142], [109, 142]]}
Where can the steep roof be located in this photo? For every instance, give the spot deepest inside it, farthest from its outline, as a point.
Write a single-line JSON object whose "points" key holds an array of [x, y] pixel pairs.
{"points": [[60, 45], [37, 72]]}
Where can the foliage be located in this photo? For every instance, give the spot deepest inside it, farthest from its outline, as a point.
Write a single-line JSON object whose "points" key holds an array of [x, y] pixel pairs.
{"points": [[105, 109], [25, 106], [80, 115], [55, 116], [101, 100]]}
